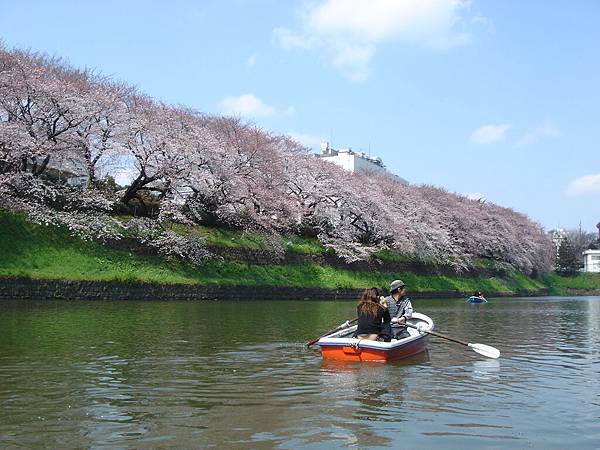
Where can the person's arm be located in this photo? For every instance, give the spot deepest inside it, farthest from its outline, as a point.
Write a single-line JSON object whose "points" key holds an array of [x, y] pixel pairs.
{"points": [[386, 316], [408, 310]]}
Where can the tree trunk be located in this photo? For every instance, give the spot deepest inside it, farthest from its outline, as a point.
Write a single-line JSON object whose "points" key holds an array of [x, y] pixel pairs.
{"points": [[37, 171], [137, 184]]}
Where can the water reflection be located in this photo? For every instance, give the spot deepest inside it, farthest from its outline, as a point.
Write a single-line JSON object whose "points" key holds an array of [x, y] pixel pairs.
{"points": [[486, 370], [363, 397], [166, 374]]}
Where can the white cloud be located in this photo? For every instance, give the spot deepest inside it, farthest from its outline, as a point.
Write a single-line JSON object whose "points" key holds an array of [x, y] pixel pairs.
{"points": [[290, 40], [354, 61], [347, 32], [246, 105], [249, 106], [586, 185], [251, 61], [546, 130], [308, 140], [489, 134]]}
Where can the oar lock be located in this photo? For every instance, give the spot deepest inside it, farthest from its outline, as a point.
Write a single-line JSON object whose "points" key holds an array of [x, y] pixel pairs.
{"points": [[353, 349]]}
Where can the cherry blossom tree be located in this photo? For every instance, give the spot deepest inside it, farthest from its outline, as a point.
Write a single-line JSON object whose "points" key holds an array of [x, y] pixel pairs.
{"points": [[198, 168], [47, 102], [155, 145], [101, 132]]}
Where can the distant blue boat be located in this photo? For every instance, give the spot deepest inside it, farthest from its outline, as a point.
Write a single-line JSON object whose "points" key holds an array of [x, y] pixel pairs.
{"points": [[475, 299]]}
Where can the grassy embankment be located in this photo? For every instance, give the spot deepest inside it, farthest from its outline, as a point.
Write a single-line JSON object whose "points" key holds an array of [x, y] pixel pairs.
{"points": [[39, 252]]}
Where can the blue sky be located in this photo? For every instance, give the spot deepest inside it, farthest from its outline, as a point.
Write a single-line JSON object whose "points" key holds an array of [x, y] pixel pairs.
{"points": [[499, 99]]}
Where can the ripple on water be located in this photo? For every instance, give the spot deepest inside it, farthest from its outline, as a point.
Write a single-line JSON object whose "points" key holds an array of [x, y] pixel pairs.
{"points": [[176, 386]]}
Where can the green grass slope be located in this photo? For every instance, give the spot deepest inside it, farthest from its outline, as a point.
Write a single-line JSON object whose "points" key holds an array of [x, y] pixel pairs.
{"points": [[48, 252]]}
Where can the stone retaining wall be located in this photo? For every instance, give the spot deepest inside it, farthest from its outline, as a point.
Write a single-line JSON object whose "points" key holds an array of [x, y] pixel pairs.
{"points": [[264, 257], [574, 291], [260, 257], [23, 288]]}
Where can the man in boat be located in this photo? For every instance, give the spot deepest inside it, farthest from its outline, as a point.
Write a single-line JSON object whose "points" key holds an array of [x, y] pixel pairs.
{"points": [[400, 309]]}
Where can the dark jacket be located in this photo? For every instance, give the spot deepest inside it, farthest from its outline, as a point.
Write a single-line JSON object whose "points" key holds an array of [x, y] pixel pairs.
{"points": [[368, 324]]}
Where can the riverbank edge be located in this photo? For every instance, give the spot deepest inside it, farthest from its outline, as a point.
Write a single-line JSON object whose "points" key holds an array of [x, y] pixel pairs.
{"points": [[47, 262], [27, 289]]}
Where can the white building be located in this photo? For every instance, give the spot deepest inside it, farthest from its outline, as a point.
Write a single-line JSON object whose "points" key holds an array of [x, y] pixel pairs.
{"points": [[591, 261], [354, 161]]}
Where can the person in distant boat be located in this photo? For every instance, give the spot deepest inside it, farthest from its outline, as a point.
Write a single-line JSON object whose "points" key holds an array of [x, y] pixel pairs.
{"points": [[400, 309], [479, 294], [372, 317]]}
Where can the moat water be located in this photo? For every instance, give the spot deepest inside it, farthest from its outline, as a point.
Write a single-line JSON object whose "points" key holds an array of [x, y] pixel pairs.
{"points": [[238, 375]]}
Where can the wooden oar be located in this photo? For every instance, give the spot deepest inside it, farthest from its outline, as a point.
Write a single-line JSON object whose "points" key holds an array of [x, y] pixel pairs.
{"points": [[341, 327], [482, 349]]}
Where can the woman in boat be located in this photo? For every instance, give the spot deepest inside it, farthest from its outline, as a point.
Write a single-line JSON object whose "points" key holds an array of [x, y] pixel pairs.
{"points": [[372, 317]]}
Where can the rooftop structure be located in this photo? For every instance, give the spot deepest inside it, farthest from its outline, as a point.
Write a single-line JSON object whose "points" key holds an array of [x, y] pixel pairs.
{"points": [[353, 161]]}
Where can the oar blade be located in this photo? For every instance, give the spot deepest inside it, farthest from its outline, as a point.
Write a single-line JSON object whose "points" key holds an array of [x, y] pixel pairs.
{"points": [[486, 350]]}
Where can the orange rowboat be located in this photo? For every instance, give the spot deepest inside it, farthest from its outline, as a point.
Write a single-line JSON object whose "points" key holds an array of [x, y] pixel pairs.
{"points": [[342, 346]]}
